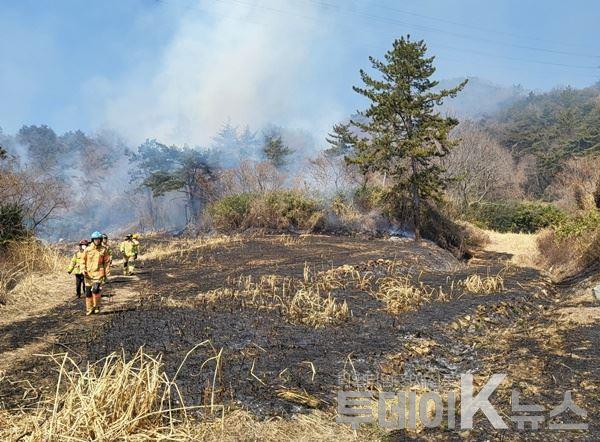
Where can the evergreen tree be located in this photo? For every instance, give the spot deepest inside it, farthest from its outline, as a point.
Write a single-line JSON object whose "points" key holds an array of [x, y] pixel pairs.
{"points": [[340, 140], [248, 143], [274, 150], [43, 146], [402, 135], [225, 145], [163, 169]]}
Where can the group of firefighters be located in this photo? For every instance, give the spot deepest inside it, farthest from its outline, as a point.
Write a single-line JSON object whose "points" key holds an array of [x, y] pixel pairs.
{"points": [[91, 266]]}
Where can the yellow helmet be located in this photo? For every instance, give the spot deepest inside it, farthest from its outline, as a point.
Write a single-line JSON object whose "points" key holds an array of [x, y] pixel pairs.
{"points": [[135, 236]]}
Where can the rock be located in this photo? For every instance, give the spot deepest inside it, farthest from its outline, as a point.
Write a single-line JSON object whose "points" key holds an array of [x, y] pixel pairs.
{"points": [[596, 292]]}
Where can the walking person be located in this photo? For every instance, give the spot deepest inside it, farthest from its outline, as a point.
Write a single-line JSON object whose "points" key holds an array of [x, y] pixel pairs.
{"points": [[108, 248], [96, 268], [76, 268], [129, 250], [105, 293]]}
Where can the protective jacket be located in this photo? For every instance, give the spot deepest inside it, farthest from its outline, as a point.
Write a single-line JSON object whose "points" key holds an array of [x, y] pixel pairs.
{"points": [[110, 253], [96, 262], [75, 266], [136, 246], [128, 248]]}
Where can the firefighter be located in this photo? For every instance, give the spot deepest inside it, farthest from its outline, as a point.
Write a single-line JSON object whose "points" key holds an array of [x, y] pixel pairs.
{"points": [[96, 268], [108, 248], [129, 250], [76, 269], [136, 240]]}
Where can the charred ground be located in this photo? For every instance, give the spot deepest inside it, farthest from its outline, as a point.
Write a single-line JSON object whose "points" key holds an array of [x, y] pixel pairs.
{"points": [[522, 330]]}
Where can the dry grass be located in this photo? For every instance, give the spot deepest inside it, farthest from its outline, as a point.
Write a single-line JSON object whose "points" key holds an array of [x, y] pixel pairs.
{"points": [[182, 249], [521, 248], [24, 266], [113, 399], [311, 308], [310, 300], [400, 295], [482, 285], [388, 281], [564, 257], [290, 240], [299, 301], [134, 400], [299, 397]]}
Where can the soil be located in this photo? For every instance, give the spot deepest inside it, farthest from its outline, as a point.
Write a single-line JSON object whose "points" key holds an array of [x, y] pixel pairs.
{"points": [[531, 331]]}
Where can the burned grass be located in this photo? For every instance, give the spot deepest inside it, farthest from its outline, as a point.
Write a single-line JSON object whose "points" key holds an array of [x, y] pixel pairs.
{"points": [[280, 369]]}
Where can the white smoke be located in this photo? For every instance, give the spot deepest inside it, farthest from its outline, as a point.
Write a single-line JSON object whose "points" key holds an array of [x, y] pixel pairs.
{"points": [[240, 62]]}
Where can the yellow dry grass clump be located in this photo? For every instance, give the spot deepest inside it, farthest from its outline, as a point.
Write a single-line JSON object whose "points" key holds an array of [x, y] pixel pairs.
{"points": [[311, 308], [400, 294], [311, 300], [183, 248], [23, 265], [134, 400], [109, 400], [290, 240], [300, 301], [482, 285]]}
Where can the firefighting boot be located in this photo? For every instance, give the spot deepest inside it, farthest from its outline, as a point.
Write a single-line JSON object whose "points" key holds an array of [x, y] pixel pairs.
{"points": [[89, 306], [96, 303]]}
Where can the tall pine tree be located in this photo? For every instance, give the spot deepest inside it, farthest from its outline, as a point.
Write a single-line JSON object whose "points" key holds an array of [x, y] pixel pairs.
{"points": [[340, 140], [402, 134], [274, 150]]}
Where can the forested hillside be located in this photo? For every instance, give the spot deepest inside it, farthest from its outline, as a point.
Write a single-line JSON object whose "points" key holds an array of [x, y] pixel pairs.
{"points": [[546, 130]]}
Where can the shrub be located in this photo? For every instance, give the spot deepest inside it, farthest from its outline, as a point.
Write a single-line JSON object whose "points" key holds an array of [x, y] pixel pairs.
{"points": [[230, 212], [516, 217], [579, 225], [12, 224], [277, 210], [573, 245], [26, 262], [368, 198]]}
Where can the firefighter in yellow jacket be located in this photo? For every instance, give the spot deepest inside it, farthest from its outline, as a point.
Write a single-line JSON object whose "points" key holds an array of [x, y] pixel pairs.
{"points": [[96, 268], [136, 240], [108, 248], [129, 250], [75, 268]]}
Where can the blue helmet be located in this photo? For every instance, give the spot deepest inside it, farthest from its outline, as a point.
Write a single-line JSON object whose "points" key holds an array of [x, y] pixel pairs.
{"points": [[96, 235]]}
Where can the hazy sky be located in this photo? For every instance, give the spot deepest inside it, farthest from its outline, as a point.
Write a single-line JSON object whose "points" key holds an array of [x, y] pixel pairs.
{"points": [[177, 69]]}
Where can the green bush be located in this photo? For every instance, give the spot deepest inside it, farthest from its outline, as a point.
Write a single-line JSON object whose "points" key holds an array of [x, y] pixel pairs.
{"points": [[12, 224], [230, 212], [573, 245], [278, 210], [517, 217], [585, 224], [368, 198]]}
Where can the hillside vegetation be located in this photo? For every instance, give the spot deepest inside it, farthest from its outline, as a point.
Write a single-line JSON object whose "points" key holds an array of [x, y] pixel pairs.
{"points": [[547, 129]]}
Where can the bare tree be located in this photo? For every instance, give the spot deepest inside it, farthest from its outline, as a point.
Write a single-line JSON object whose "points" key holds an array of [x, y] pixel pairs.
{"points": [[332, 172], [479, 167], [39, 197], [576, 184], [252, 176]]}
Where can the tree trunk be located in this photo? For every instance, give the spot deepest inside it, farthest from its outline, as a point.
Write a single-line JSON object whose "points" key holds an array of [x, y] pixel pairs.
{"points": [[151, 209], [597, 194], [416, 202]]}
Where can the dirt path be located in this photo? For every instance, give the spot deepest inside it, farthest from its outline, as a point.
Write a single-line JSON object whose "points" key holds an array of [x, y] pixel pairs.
{"points": [[41, 331]]}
